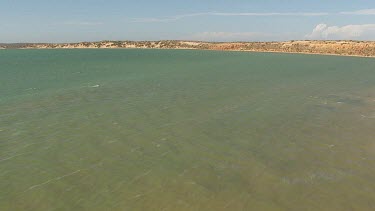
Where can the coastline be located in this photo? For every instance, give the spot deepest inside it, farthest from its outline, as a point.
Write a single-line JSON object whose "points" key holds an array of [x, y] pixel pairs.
{"points": [[243, 51], [363, 49], [306, 53]]}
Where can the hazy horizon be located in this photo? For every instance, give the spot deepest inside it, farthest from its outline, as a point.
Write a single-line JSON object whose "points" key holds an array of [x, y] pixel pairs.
{"points": [[235, 41], [44, 21]]}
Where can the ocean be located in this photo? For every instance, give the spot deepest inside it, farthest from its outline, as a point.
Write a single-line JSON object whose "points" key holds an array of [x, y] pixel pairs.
{"points": [[127, 129]]}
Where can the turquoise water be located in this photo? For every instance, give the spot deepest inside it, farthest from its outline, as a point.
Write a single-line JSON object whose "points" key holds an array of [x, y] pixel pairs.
{"points": [[185, 130]]}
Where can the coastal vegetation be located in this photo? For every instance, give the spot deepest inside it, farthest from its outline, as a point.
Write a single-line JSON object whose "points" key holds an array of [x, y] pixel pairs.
{"points": [[349, 48]]}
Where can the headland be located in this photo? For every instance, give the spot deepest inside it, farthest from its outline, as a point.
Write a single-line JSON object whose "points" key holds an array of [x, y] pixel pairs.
{"points": [[342, 48]]}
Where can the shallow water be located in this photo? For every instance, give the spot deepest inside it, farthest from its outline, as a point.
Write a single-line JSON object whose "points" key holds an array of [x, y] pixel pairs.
{"points": [[185, 130]]}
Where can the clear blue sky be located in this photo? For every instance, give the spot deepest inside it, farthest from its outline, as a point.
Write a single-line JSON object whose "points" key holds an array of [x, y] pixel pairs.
{"points": [[212, 20]]}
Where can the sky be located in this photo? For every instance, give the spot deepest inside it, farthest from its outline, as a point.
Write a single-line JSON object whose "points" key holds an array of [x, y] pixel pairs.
{"points": [[206, 20]]}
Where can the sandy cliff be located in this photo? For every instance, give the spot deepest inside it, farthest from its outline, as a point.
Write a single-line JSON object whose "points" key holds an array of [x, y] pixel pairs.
{"points": [[349, 48]]}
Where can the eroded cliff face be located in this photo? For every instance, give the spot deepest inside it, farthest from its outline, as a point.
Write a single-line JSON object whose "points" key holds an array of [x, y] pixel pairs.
{"points": [[314, 47], [350, 48]]}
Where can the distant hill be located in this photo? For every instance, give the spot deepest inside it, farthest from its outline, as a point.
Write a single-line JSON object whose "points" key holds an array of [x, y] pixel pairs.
{"points": [[14, 45], [348, 48]]}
